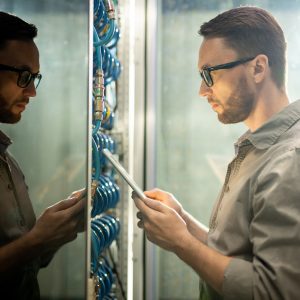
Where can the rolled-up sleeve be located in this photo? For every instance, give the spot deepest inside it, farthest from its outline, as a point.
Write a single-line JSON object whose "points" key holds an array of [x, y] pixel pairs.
{"points": [[238, 280], [274, 272]]}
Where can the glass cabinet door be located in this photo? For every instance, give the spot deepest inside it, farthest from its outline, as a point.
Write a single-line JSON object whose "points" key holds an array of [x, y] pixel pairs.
{"points": [[50, 142]]}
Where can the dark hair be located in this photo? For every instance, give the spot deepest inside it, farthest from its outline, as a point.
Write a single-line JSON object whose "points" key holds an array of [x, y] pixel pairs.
{"points": [[251, 31], [14, 28]]}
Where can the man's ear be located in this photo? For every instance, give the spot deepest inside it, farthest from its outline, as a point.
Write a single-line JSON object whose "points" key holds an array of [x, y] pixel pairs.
{"points": [[260, 67]]}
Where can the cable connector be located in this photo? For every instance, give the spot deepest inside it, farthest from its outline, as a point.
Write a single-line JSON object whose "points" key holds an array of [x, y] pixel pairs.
{"points": [[94, 186], [98, 91], [110, 9]]}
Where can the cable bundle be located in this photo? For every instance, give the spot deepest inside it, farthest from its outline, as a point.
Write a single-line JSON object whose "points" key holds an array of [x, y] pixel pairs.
{"points": [[104, 231], [105, 192]]}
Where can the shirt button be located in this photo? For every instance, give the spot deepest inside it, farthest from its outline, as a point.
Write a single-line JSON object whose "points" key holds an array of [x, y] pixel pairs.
{"points": [[9, 186]]}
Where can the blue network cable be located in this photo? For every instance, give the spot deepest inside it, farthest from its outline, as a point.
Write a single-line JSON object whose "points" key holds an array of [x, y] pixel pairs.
{"points": [[105, 192]]}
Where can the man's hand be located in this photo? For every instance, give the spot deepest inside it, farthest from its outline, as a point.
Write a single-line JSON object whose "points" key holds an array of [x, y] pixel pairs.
{"points": [[165, 227], [162, 224], [81, 195], [169, 200], [196, 228], [60, 223], [166, 198]]}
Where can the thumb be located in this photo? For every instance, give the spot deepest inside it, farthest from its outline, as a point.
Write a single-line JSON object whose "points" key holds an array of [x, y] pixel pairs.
{"points": [[156, 194], [155, 205], [63, 204], [79, 193]]}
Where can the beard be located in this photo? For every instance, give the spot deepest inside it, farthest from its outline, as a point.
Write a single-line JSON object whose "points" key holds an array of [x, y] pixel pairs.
{"points": [[238, 106], [6, 115]]}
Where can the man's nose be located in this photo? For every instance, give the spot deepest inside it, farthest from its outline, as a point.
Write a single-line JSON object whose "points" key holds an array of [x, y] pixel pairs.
{"points": [[30, 90], [204, 90]]}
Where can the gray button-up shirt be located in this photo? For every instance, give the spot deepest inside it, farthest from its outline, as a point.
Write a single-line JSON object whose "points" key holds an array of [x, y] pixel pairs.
{"points": [[256, 219], [16, 218]]}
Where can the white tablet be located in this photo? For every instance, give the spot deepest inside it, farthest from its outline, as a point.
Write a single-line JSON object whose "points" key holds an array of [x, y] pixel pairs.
{"points": [[123, 173]]}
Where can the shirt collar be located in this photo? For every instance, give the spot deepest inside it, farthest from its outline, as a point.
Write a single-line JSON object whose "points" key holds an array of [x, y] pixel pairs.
{"points": [[269, 132], [5, 141]]}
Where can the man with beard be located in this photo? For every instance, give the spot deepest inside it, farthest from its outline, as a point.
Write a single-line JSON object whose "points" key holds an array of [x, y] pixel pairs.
{"points": [[250, 250], [25, 244]]}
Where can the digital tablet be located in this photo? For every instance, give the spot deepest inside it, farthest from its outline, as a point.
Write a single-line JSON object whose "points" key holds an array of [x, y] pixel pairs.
{"points": [[123, 173]]}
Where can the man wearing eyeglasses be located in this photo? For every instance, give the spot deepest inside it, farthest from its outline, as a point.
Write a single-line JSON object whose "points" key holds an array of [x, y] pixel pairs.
{"points": [[251, 249], [26, 244]]}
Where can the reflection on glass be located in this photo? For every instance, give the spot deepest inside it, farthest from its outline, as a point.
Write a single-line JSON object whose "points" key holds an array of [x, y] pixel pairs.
{"points": [[50, 141]]}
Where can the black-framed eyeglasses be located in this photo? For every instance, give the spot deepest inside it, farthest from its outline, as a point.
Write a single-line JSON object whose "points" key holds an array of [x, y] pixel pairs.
{"points": [[25, 76], [205, 73]]}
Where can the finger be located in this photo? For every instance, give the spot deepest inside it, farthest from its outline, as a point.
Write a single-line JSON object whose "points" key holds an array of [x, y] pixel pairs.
{"points": [[63, 204], [138, 203], [156, 205], [83, 193], [140, 224], [139, 215], [79, 193], [145, 212], [157, 194], [148, 206], [134, 195], [75, 209]]}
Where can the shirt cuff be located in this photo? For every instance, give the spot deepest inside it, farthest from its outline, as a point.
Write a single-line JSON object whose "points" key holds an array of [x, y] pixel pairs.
{"points": [[238, 280]]}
